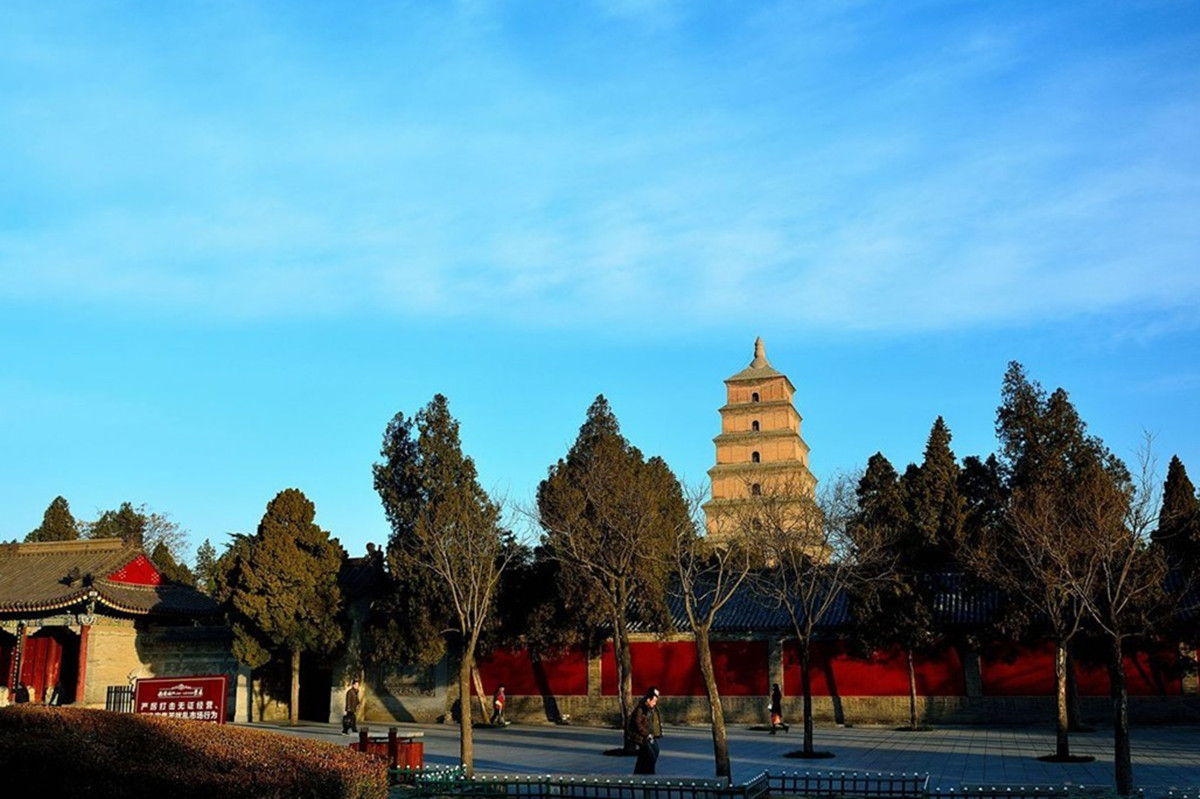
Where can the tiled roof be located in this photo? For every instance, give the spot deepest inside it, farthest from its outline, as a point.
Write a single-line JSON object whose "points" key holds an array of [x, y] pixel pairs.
{"points": [[956, 603], [62, 575]]}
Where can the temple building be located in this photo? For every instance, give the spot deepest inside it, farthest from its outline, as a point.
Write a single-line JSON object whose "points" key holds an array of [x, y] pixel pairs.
{"points": [[760, 453], [81, 620]]}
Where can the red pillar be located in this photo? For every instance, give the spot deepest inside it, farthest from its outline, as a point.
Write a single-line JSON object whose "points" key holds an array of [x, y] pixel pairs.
{"points": [[81, 678]]}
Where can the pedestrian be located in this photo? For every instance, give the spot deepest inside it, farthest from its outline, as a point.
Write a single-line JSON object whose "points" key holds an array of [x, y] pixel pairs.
{"points": [[639, 733], [350, 718], [498, 719], [776, 708], [656, 720], [21, 695], [656, 730]]}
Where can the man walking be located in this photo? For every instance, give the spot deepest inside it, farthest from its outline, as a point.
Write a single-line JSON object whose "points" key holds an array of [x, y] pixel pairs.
{"points": [[640, 733], [350, 719]]}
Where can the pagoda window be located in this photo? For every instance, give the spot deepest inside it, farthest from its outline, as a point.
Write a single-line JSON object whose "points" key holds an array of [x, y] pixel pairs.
{"points": [[756, 490], [754, 397], [754, 425], [755, 457]]}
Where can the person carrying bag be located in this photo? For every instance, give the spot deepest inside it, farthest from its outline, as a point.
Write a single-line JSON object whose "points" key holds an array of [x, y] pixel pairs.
{"points": [[350, 717]]}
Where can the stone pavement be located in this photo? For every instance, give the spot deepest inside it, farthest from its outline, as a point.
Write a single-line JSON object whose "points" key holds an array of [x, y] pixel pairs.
{"points": [[1166, 758]]}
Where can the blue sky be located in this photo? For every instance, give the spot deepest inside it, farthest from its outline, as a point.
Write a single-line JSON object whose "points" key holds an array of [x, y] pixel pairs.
{"points": [[236, 238]]}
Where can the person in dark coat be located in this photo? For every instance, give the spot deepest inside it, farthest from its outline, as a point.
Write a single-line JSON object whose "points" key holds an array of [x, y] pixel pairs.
{"points": [[777, 709], [656, 719], [21, 694], [350, 719], [639, 733]]}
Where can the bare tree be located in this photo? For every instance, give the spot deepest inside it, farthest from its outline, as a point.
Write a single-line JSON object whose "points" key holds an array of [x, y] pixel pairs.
{"points": [[811, 561], [709, 575], [1043, 560], [1126, 596]]}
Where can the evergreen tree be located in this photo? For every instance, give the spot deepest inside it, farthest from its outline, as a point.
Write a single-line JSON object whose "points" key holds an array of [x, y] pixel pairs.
{"points": [[984, 500], [57, 524], [445, 527], [281, 588], [234, 575], [881, 502], [1044, 448], [895, 609], [126, 522], [1064, 542], [170, 568], [405, 621], [206, 567], [1178, 529], [610, 517], [142, 528], [937, 508]]}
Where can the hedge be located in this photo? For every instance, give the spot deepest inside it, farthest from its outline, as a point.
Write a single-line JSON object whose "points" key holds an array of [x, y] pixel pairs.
{"points": [[68, 751]]}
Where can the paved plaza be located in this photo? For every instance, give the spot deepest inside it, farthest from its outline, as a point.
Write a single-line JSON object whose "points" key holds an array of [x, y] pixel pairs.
{"points": [[1166, 758]]}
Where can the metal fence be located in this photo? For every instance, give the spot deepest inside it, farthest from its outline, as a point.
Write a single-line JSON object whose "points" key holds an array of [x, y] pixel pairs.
{"points": [[849, 783], [119, 698], [842, 785], [1070, 791]]}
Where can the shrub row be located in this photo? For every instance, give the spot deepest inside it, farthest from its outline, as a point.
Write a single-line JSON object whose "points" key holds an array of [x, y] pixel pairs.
{"points": [[68, 751]]}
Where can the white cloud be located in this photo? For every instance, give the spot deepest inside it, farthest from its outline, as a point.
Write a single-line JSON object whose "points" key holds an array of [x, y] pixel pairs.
{"points": [[956, 182]]}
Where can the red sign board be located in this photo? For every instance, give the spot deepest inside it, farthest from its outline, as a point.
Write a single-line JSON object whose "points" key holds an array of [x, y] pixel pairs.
{"points": [[194, 698]]}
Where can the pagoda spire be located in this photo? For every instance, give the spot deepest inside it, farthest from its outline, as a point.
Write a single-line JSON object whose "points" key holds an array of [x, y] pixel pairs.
{"points": [[760, 354]]}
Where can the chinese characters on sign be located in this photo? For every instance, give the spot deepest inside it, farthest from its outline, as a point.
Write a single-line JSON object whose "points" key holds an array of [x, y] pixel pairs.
{"points": [[193, 698]]}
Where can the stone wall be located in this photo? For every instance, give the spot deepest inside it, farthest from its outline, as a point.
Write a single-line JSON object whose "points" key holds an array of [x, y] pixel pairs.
{"points": [[119, 652]]}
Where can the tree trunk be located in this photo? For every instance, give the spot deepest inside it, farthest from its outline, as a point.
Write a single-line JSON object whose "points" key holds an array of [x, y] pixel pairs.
{"points": [[912, 688], [622, 656], [294, 709], [483, 708], [1074, 714], [720, 742], [806, 688], [1062, 722], [1122, 759], [466, 748]]}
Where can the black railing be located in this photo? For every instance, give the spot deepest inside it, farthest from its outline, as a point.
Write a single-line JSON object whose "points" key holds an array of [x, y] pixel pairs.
{"points": [[848, 785], [1033, 792], [119, 698], [450, 781]]}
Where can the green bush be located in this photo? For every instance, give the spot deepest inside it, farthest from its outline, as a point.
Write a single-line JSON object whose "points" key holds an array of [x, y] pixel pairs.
{"points": [[68, 751]]}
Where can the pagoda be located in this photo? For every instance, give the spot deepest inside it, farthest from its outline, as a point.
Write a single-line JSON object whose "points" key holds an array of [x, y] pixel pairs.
{"points": [[760, 451]]}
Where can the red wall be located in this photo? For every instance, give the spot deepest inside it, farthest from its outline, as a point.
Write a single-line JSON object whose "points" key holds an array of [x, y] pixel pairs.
{"points": [[563, 675], [1029, 671], [673, 666], [742, 670], [834, 672]]}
